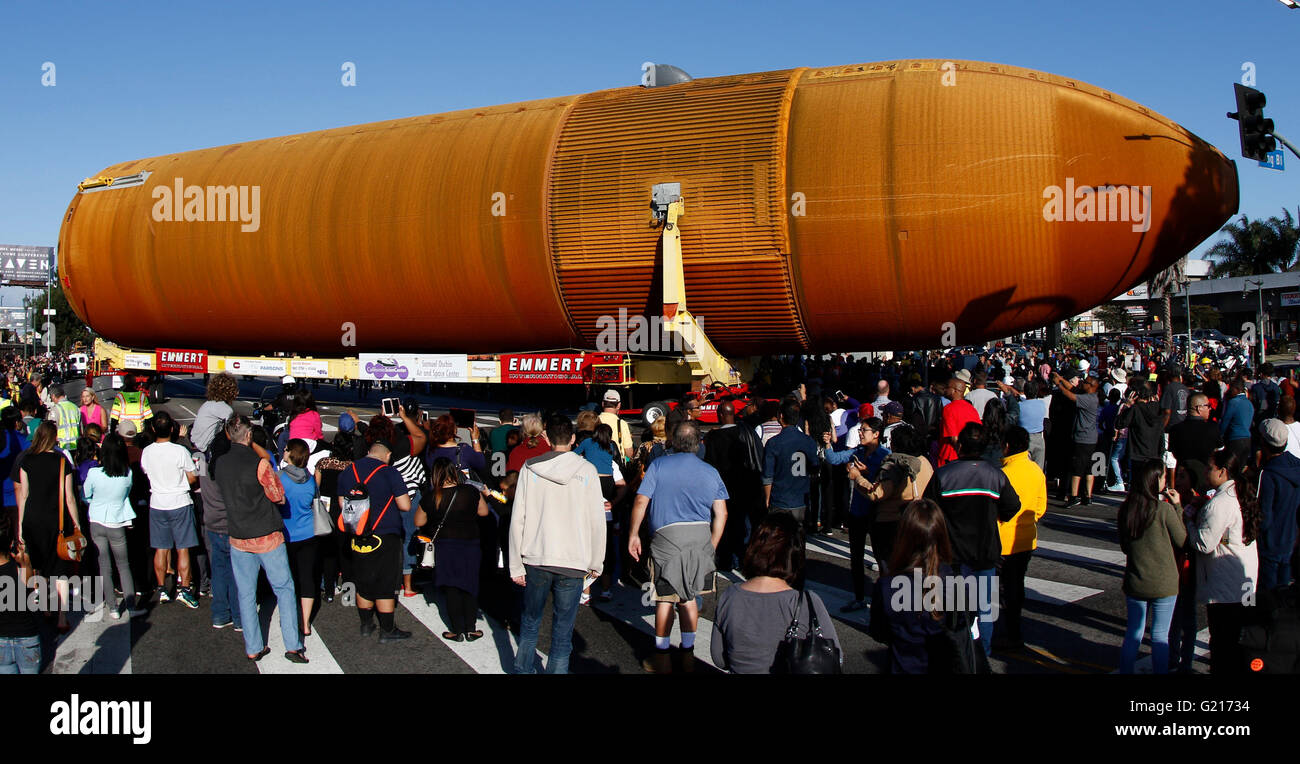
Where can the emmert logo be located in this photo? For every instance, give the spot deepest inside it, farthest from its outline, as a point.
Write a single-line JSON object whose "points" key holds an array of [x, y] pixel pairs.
{"points": [[105, 717]]}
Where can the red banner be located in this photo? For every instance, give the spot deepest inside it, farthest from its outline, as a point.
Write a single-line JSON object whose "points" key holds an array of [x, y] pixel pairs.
{"points": [[182, 361], [555, 368]]}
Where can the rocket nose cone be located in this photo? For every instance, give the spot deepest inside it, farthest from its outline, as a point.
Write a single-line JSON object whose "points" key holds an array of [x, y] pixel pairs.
{"points": [[1178, 188], [997, 203]]}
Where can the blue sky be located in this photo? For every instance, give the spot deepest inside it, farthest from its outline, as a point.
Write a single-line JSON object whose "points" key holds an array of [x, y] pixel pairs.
{"points": [[147, 78]]}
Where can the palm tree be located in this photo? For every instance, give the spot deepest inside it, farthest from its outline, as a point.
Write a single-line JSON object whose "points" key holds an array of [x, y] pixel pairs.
{"points": [[1256, 246]]}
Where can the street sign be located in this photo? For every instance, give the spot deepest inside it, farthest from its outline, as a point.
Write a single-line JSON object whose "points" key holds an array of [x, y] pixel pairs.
{"points": [[1274, 161]]}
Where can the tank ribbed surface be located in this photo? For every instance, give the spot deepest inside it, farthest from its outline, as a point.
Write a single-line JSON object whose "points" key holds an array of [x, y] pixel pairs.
{"points": [[724, 140]]}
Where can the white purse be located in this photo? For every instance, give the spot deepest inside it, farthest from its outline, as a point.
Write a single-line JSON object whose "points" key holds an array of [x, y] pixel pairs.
{"points": [[427, 559]]}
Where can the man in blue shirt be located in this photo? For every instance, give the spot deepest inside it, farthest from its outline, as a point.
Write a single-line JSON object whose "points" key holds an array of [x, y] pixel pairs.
{"points": [[687, 518], [788, 459], [865, 461]]}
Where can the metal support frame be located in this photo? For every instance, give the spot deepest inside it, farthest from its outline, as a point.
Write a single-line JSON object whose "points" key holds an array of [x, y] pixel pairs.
{"points": [[706, 363]]}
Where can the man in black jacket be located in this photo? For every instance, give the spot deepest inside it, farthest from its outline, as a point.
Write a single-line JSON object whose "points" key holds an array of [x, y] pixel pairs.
{"points": [[1141, 414], [974, 496], [736, 453], [926, 410], [257, 541]]}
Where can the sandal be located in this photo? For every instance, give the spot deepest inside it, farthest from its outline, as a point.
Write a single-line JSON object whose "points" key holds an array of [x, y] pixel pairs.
{"points": [[473, 635], [255, 658], [296, 656], [452, 636]]}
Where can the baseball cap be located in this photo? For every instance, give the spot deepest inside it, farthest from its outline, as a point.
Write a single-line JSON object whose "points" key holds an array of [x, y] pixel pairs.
{"points": [[347, 423], [288, 380], [382, 442], [963, 376], [893, 407], [866, 410], [1274, 432], [612, 396]]}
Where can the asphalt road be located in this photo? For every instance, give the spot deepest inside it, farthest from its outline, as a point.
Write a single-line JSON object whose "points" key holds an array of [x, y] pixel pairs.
{"points": [[1073, 622]]}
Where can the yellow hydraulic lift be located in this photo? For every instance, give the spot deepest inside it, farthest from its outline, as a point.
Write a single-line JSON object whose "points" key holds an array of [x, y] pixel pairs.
{"points": [[707, 365]]}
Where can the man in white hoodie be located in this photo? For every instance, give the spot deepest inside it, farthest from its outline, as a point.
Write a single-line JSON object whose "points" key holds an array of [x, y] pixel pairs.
{"points": [[557, 536]]}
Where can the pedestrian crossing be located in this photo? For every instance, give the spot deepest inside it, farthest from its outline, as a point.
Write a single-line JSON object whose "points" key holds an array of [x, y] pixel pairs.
{"points": [[98, 644], [493, 654], [1037, 589]]}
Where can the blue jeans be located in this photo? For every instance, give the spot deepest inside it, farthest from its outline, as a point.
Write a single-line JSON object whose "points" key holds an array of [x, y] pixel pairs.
{"points": [[1162, 613], [567, 591], [987, 582], [225, 596], [276, 565], [20, 655], [1118, 450], [1273, 573], [412, 550]]}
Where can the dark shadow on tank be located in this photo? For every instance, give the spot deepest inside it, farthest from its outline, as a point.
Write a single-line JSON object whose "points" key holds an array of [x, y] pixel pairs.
{"points": [[1208, 178]]}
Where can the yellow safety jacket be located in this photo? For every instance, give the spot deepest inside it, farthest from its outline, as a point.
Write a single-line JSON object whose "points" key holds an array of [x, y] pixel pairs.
{"points": [[131, 407], [68, 418]]}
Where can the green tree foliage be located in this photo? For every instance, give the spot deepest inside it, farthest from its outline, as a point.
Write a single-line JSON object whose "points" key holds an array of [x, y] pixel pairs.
{"points": [[1113, 317], [1256, 246], [68, 328]]}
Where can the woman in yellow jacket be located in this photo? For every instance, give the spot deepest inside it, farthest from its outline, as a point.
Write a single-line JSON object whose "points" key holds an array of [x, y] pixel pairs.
{"points": [[1019, 534]]}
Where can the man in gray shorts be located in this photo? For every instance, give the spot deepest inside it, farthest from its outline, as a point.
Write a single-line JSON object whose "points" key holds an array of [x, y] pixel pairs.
{"points": [[687, 517], [170, 470]]}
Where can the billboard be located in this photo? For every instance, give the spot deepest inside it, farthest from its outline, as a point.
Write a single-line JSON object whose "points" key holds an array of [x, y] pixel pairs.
{"points": [[13, 319], [402, 367], [21, 264]]}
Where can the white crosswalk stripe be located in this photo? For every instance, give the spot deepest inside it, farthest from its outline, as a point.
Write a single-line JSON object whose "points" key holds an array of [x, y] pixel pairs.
{"points": [[321, 661], [628, 608], [493, 654], [1037, 589], [1079, 553]]}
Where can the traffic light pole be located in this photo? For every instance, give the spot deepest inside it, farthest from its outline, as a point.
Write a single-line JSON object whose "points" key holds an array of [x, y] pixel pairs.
{"points": [[1286, 143]]}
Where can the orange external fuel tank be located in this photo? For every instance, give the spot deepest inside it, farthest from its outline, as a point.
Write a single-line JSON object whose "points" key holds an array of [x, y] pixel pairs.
{"points": [[843, 208]]}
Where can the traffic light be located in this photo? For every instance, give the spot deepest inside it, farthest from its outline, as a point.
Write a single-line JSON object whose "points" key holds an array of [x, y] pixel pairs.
{"points": [[1256, 131]]}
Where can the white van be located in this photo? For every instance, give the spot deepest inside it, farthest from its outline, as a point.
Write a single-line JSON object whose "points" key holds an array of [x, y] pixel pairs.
{"points": [[80, 361]]}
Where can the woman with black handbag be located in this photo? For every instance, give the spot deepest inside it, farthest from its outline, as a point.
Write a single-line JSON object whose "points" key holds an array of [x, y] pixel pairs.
{"points": [[46, 501], [452, 528], [766, 626]]}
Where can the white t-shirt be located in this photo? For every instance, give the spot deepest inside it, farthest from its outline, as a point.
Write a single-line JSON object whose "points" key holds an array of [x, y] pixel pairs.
{"points": [[165, 464], [1293, 439]]}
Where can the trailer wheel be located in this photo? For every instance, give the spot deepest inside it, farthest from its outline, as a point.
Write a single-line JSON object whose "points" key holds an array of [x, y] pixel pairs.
{"points": [[653, 412], [156, 392]]}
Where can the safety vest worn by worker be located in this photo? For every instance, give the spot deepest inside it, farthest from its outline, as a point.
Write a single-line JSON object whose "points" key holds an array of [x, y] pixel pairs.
{"points": [[131, 407], [68, 418]]}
